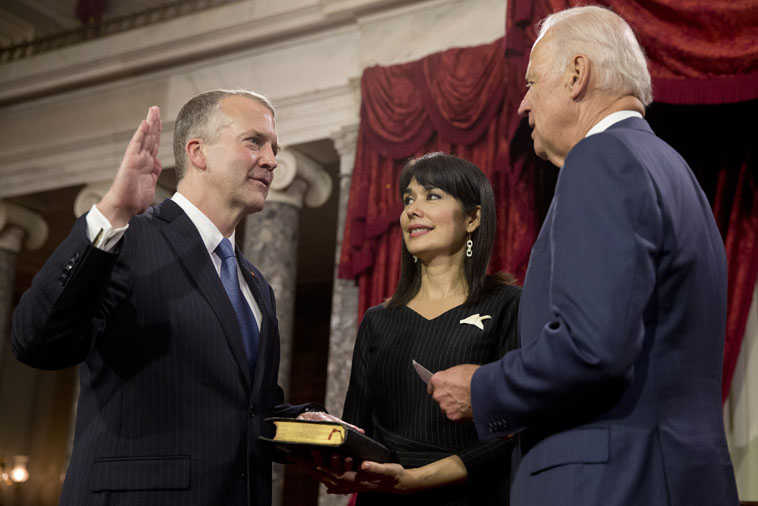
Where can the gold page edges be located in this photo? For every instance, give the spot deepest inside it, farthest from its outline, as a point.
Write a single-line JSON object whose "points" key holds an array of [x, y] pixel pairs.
{"points": [[331, 434]]}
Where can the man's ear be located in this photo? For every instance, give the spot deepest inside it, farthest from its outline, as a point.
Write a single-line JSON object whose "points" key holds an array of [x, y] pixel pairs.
{"points": [[473, 219], [195, 153], [579, 76]]}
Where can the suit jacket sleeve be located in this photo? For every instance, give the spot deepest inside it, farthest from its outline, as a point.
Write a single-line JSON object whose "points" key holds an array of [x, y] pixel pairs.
{"points": [[280, 408], [606, 225], [57, 320]]}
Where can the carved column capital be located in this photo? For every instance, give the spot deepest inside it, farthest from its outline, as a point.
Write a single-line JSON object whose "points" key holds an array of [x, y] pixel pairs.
{"points": [[94, 192], [89, 195], [346, 139], [17, 222], [345, 142], [299, 180], [12, 238]]}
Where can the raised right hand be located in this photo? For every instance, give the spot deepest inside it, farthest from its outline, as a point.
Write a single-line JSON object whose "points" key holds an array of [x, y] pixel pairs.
{"points": [[133, 188]]}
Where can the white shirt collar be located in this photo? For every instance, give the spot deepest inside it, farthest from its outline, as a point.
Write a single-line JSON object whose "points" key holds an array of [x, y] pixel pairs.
{"points": [[611, 119], [209, 232]]}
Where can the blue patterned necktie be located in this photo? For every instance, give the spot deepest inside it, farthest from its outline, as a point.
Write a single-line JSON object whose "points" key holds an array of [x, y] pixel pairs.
{"points": [[245, 317]]}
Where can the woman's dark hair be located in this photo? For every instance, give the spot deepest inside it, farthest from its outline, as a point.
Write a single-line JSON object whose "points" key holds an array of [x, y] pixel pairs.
{"points": [[467, 183]]}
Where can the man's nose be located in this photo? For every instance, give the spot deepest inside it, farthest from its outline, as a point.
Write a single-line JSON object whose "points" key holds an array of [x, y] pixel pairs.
{"points": [[268, 158], [523, 107]]}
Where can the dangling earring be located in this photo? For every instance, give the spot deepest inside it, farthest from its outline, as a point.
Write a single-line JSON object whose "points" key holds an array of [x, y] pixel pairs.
{"points": [[415, 259], [469, 245]]}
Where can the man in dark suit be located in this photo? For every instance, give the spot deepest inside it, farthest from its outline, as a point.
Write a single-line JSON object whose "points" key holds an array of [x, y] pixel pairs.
{"points": [[176, 333], [615, 393]]}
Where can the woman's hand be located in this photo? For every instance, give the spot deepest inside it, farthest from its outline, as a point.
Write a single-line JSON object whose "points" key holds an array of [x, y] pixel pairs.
{"points": [[340, 478]]}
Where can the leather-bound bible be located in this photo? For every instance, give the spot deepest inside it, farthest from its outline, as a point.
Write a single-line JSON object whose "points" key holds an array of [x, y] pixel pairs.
{"points": [[301, 437]]}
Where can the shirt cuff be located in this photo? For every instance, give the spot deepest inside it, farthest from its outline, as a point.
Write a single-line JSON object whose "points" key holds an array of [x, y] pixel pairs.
{"points": [[99, 230]]}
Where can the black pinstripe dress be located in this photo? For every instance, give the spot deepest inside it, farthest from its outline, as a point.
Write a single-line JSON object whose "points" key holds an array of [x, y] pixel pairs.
{"points": [[388, 399]]}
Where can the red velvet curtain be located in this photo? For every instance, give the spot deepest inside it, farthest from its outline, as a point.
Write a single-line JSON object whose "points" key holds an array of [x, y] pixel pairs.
{"points": [[699, 52], [736, 210], [453, 102]]}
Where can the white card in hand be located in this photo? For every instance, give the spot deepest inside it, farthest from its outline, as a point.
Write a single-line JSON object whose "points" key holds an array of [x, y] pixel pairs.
{"points": [[424, 373]]}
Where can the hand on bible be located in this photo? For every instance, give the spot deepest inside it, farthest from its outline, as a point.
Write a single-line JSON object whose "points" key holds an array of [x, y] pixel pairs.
{"points": [[321, 416], [133, 188]]}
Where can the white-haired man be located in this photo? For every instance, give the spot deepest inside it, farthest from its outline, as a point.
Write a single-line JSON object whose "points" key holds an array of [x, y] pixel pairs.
{"points": [[615, 393], [175, 330]]}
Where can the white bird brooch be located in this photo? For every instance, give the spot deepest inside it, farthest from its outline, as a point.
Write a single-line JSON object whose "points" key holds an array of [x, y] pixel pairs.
{"points": [[476, 320]]}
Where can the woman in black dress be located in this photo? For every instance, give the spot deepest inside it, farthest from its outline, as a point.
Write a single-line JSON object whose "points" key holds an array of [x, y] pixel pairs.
{"points": [[446, 311]]}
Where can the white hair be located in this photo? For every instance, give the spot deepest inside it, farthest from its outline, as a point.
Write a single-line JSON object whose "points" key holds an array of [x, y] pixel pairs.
{"points": [[608, 41]]}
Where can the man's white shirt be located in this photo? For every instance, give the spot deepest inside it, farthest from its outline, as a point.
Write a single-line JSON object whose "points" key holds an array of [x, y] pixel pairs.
{"points": [[611, 119], [209, 233]]}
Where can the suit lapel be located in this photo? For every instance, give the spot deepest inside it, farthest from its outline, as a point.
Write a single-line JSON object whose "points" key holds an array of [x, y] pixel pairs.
{"points": [[189, 249], [260, 292]]}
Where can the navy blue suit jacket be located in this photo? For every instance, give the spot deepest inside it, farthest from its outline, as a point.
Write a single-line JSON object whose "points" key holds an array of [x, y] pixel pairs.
{"points": [[168, 412], [616, 389]]}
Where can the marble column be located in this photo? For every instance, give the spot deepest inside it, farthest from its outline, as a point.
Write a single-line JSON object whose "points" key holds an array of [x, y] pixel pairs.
{"points": [[11, 238], [344, 321], [19, 228], [270, 243]]}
